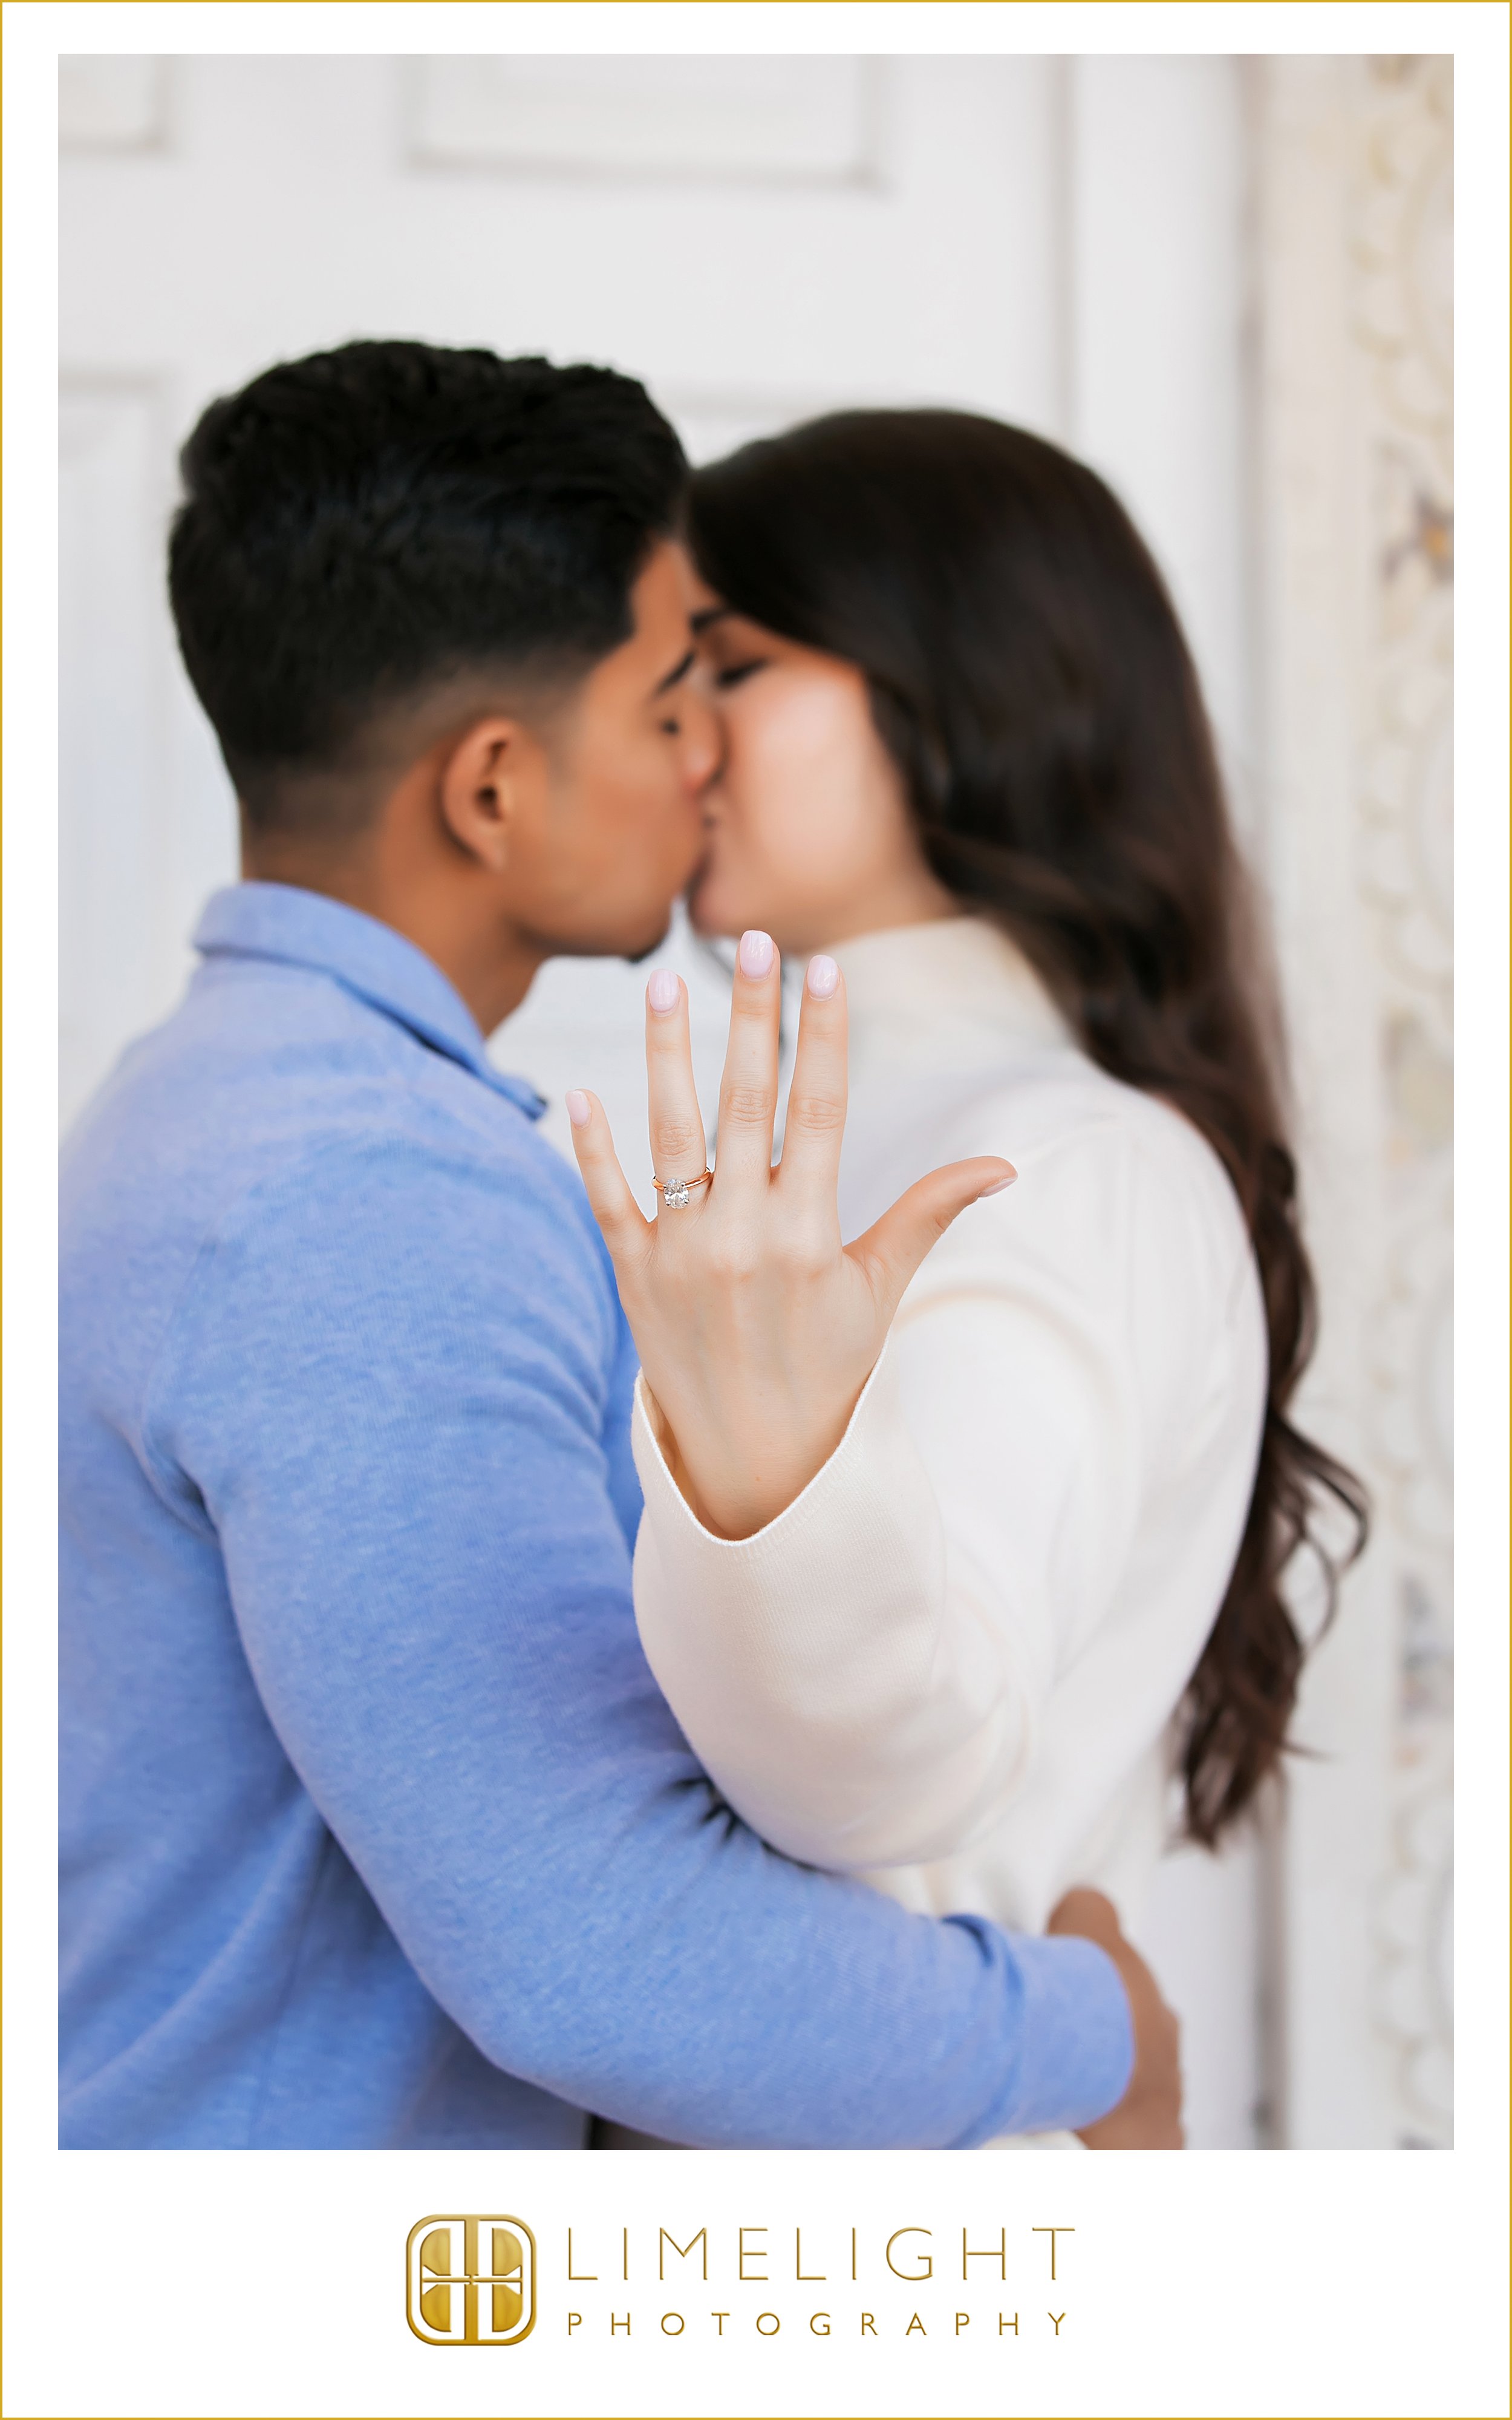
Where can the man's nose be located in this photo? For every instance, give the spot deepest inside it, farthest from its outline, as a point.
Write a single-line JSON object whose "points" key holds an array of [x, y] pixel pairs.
{"points": [[702, 741]]}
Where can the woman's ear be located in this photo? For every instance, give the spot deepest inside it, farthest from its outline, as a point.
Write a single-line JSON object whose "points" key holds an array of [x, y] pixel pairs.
{"points": [[488, 784]]}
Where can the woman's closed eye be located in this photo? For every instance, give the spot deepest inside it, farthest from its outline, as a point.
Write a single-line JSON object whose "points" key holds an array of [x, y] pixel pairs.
{"points": [[731, 676]]}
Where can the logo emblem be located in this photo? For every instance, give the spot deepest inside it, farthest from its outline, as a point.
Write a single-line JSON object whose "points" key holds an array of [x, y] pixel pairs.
{"points": [[471, 2280]]}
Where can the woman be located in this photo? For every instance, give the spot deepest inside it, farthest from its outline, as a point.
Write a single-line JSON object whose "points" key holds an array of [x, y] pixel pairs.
{"points": [[968, 759]]}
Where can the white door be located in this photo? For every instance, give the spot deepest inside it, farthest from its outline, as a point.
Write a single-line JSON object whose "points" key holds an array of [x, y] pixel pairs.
{"points": [[760, 238]]}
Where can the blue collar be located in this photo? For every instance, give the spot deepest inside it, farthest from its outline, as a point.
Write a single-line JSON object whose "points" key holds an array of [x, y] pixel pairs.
{"points": [[303, 928]]}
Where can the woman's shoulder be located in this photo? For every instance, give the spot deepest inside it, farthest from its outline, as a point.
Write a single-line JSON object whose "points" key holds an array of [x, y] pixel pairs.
{"points": [[1058, 1101], [1124, 1233], [1102, 1168]]}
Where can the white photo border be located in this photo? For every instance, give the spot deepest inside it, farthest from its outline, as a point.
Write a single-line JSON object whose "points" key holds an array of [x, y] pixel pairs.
{"points": [[1321, 2283]]}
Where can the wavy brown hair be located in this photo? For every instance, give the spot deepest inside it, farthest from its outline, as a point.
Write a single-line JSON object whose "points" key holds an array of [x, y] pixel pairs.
{"points": [[1029, 677]]}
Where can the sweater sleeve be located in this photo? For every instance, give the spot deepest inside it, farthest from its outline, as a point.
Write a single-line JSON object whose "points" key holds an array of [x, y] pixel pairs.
{"points": [[866, 1677], [389, 1397]]}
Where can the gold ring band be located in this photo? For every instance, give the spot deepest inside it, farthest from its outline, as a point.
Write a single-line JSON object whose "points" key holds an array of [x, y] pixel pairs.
{"points": [[675, 1190]]}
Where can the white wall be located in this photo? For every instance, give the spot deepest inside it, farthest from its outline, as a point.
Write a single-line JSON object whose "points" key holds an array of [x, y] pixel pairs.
{"points": [[1065, 243]]}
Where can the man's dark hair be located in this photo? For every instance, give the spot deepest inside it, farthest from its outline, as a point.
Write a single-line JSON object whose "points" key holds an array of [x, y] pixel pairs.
{"points": [[367, 523]]}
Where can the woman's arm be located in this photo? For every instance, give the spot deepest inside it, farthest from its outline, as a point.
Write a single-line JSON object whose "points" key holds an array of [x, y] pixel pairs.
{"points": [[863, 1670], [864, 1677]]}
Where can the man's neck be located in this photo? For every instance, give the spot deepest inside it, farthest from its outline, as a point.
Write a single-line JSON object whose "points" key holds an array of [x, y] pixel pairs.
{"points": [[491, 968]]}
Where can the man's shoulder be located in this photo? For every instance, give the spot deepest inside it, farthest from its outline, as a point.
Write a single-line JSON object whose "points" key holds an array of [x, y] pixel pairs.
{"points": [[391, 1184], [319, 1137], [441, 1187], [235, 1086]]}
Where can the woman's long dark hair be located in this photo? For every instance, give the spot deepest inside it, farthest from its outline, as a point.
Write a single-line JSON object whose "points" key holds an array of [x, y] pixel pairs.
{"points": [[1029, 677]]}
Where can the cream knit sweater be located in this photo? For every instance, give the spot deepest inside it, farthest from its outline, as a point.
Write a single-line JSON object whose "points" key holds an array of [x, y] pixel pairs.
{"points": [[951, 1665]]}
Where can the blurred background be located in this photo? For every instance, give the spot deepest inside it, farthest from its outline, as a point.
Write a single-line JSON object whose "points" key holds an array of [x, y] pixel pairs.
{"points": [[1227, 283]]}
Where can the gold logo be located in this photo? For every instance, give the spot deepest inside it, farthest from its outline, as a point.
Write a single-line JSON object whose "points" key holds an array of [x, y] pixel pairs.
{"points": [[471, 2280]]}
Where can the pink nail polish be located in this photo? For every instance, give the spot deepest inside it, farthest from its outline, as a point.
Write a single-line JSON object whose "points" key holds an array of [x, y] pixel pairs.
{"points": [[755, 955], [579, 1108], [662, 992], [1001, 1186], [824, 974]]}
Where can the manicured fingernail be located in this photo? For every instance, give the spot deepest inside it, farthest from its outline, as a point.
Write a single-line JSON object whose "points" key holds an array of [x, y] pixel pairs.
{"points": [[1002, 1185], [662, 992], [824, 974], [755, 955], [579, 1108]]}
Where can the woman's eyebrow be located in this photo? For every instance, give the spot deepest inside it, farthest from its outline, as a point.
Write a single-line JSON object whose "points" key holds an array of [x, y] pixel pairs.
{"points": [[706, 619]]}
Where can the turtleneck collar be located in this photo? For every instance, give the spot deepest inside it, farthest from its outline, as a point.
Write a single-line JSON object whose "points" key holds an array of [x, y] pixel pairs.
{"points": [[955, 990]]}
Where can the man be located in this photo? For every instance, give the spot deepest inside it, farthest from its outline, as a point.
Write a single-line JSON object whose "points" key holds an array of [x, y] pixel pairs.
{"points": [[376, 1829]]}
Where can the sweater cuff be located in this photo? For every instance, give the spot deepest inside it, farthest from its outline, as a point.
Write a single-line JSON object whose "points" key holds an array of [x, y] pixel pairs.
{"points": [[1076, 2031], [875, 1429]]}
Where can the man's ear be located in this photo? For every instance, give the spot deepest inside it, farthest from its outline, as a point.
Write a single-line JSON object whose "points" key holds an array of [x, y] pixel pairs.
{"points": [[489, 783]]}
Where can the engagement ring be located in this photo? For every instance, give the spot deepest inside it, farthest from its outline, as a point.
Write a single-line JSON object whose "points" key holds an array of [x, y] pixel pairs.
{"points": [[676, 1194]]}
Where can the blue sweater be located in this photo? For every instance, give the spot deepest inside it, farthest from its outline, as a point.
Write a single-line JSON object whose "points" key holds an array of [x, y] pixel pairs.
{"points": [[376, 1830]]}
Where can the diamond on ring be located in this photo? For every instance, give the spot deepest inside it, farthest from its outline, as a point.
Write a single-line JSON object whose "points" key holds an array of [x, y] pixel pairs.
{"points": [[677, 1191]]}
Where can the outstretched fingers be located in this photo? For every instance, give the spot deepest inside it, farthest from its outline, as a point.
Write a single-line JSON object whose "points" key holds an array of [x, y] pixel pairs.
{"points": [[624, 1230], [748, 1091], [676, 1120], [815, 1124]]}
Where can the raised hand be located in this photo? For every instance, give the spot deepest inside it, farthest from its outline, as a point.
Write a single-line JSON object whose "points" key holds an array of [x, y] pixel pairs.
{"points": [[757, 1329], [1149, 2118]]}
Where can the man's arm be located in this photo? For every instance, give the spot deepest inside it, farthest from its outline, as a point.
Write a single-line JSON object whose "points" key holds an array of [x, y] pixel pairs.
{"points": [[388, 1383], [1149, 2118]]}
